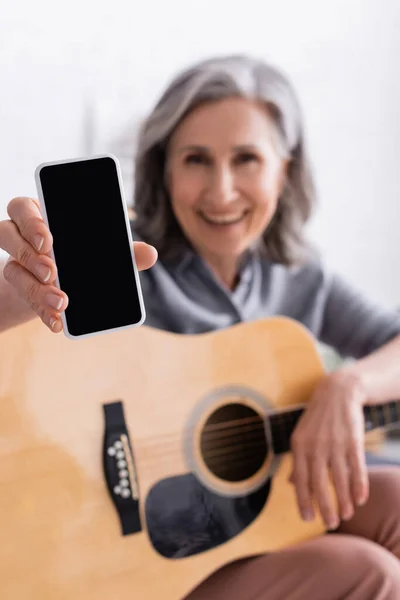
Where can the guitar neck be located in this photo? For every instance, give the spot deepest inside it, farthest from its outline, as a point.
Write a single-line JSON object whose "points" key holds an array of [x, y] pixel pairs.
{"points": [[283, 423]]}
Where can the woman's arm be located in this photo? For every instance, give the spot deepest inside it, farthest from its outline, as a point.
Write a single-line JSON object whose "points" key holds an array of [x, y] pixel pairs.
{"points": [[379, 373], [353, 324], [328, 441], [367, 332]]}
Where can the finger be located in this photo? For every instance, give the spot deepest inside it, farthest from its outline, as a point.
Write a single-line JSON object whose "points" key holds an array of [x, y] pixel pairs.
{"points": [[341, 482], [26, 215], [40, 265], [291, 477], [145, 255], [301, 480], [321, 492], [45, 300], [358, 472]]}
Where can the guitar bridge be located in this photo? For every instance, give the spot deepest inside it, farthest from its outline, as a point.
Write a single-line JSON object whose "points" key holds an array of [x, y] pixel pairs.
{"points": [[119, 468]]}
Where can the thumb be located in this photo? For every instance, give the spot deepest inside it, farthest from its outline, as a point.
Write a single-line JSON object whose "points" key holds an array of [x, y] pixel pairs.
{"points": [[145, 255]]}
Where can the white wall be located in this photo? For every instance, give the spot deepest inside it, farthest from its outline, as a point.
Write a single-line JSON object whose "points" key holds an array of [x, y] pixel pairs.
{"points": [[76, 76]]}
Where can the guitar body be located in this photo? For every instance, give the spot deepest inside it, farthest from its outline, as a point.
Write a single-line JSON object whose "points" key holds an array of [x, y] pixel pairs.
{"points": [[61, 533]]}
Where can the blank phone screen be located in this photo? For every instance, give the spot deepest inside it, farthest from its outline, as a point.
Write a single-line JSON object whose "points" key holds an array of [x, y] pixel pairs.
{"points": [[91, 244]]}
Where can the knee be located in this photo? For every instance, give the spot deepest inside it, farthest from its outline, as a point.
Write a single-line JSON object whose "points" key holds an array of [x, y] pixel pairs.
{"points": [[363, 566], [381, 571]]}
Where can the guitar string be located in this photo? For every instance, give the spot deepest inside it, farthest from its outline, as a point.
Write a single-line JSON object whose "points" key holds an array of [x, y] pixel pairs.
{"points": [[283, 419], [232, 463], [254, 433], [225, 450], [222, 451], [222, 459], [233, 428], [215, 433], [208, 452]]}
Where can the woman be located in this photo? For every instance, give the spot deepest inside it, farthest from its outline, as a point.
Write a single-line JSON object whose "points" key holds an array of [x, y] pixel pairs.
{"points": [[223, 190]]}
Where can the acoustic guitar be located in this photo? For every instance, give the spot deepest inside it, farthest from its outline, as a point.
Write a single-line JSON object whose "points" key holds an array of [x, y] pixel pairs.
{"points": [[134, 464]]}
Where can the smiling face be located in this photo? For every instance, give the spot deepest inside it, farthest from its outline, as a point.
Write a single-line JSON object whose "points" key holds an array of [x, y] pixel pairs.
{"points": [[225, 176]]}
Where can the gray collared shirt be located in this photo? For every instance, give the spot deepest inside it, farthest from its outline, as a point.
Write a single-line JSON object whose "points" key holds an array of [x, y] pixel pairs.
{"points": [[184, 296]]}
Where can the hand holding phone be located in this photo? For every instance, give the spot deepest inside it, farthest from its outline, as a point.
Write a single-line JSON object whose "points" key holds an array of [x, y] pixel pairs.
{"points": [[32, 271]]}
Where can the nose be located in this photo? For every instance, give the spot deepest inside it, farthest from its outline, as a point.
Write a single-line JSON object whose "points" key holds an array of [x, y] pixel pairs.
{"points": [[222, 188]]}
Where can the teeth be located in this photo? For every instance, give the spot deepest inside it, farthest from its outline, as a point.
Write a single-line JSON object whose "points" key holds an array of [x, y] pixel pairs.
{"points": [[223, 220]]}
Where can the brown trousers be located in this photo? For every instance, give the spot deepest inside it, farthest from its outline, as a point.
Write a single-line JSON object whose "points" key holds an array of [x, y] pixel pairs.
{"points": [[360, 561]]}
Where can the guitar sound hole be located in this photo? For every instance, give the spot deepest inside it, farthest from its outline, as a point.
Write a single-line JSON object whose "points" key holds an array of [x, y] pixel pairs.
{"points": [[233, 443]]}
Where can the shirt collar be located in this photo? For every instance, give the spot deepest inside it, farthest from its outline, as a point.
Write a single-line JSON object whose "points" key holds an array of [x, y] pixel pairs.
{"points": [[184, 260], [189, 257]]}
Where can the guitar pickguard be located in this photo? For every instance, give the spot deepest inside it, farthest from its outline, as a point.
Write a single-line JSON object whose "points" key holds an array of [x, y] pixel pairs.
{"points": [[184, 517]]}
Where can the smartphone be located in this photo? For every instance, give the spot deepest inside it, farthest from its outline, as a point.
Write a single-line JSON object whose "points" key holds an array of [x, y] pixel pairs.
{"points": [[83, 205]]}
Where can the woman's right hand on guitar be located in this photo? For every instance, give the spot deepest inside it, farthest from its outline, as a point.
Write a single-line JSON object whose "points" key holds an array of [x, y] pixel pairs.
{"points": [[30, 268]]}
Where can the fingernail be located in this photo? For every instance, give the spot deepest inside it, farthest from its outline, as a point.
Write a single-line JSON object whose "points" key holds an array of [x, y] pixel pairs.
{"points": [[347, 514], [333, 524], [54, 301], [362, 497], [307, 515], [38, 241], [55, 324], [44, 272]]}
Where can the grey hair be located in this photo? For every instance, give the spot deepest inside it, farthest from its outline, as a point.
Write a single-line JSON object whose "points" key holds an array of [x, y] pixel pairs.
{"points": [[283, 240]]}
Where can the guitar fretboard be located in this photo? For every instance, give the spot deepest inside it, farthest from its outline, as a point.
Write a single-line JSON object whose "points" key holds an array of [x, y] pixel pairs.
{"points": [[375, 415]]}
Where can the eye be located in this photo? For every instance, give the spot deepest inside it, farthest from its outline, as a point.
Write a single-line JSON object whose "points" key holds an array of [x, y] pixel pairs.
{"points": [[245, 157], [196, 159]]}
